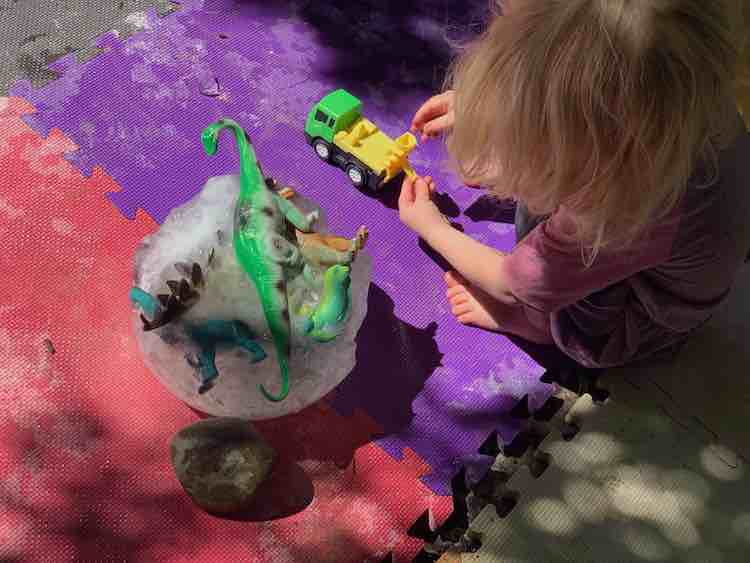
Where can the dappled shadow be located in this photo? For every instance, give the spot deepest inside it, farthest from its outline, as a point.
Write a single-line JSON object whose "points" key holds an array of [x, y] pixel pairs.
{"points": [[641, 481], [60, 490], [80, 491], [656, 472], [633, 494], [392, 45]]}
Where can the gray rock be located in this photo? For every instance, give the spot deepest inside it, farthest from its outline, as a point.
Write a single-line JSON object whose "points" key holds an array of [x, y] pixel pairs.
{"points": [[220, 463]]}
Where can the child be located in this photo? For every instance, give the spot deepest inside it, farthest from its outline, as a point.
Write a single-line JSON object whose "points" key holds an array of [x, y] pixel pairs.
{"points": [[613, 126]]}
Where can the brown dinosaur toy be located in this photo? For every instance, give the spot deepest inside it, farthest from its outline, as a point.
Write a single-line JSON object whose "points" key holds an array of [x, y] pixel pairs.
{"points": [[322, 251]]}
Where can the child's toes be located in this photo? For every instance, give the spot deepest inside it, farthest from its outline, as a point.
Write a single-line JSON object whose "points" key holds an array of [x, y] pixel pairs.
{"points": [[466, 319], [462, 309], [459, 299], [454, 291]]}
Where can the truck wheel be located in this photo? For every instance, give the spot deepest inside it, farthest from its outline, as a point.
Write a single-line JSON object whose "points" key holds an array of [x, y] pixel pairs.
{"points": [[322, 149], [356, 175]]}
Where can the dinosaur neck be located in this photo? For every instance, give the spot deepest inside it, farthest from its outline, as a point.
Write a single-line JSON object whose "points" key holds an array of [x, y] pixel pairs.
{"points": [[251, 177], [329, 286], [332, 287]]}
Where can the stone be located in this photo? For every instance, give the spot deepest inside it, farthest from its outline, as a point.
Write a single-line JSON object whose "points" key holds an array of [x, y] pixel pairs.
{"points": [[221, 462]]}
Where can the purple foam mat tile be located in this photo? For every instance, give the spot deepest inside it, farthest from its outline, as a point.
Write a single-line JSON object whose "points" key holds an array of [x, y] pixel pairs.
{"points": [[57, 100], [446, 417], [459, 409]]}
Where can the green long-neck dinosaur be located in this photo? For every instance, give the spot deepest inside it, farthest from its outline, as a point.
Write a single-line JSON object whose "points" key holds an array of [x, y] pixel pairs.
{"points": [[260, 246]]}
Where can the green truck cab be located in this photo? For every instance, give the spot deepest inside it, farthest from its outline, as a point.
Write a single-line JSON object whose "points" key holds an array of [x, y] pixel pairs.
{"points": [[341, 135]]}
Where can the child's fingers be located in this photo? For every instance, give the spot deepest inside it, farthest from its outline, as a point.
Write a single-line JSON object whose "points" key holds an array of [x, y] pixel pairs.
{"points": [[432, 108], [459, 310], [430, 184], [459, 299], [436, 126], [407, 195], [421, 189], [455, 291]]}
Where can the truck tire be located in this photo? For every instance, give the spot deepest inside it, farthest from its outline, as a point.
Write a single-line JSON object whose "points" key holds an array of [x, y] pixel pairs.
{"points": [[322, 149], [357, 176]]}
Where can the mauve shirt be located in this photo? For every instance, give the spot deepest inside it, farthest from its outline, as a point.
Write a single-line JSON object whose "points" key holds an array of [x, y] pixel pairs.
{"points": [[634, 303]]}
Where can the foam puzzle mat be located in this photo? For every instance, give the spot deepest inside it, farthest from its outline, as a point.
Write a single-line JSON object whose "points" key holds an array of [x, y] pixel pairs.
{"points": [[94, 159]]}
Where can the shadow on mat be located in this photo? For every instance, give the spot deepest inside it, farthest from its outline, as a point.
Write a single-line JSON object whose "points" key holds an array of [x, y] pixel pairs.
{"points": [[69, 495], [394, 360], [488, 208], [367, 36]]}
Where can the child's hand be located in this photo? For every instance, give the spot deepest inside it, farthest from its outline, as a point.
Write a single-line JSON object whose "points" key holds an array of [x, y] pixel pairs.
{"points": [[415, 205], [435, 116]]}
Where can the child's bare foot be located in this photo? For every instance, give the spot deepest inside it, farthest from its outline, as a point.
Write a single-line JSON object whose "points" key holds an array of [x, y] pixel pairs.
{"points": [[469, 304], [472, 306]]}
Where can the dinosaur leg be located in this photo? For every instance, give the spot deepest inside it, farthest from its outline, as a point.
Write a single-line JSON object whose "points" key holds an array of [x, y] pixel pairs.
{"points": [[283, 252], [207, 370], [207, 335], [244, 339], [301, 221], [312, 276], [329, 318], [331, 256]]}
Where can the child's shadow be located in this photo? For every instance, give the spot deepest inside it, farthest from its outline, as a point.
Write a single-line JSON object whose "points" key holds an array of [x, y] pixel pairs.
{"points": [[489, 208]]}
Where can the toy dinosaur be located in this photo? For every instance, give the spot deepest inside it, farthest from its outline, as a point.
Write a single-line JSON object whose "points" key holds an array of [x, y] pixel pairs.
{"points": [[328, 319], [261, 248], [207, 335], [183, 295], [272, 243], [322, 323], [321, 251]]}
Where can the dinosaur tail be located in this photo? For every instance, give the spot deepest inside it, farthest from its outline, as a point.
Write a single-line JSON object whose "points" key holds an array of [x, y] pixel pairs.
{"points": [[280, 327], [148, 304], [251, 176]]}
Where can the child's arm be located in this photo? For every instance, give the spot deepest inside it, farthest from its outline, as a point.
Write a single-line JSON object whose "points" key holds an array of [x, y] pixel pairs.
{"points": [[479, 264], [482, 266]]}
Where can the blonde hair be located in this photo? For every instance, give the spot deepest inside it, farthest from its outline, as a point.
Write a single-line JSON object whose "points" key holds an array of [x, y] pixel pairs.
{"points": [[605, 107]]}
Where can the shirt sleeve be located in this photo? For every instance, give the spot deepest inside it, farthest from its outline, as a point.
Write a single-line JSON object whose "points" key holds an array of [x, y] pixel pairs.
{"points": [[546, 270]]}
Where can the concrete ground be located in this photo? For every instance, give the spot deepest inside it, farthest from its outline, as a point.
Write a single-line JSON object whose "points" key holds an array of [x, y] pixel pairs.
{"points": [[659, 472], [35, 33]]}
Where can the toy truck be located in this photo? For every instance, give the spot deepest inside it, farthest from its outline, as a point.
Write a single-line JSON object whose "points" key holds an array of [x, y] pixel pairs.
{"points": [[341, 135]]}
